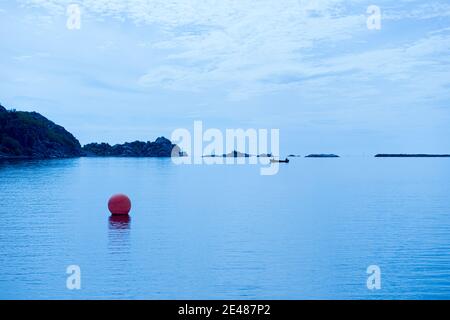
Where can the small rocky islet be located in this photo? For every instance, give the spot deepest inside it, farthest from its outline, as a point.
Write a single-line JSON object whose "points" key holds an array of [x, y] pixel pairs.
{"points": [[322, 156]]}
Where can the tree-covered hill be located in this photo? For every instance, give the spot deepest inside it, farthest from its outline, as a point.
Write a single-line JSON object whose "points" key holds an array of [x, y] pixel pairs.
{"points": [[31, 135]]}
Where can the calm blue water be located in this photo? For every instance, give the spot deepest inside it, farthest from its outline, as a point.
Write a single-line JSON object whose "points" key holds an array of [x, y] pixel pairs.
{"points": [[204, 232]]}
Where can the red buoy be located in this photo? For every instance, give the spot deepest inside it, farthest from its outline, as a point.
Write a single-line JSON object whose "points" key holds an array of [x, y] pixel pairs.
{"points": [[119, 204]]}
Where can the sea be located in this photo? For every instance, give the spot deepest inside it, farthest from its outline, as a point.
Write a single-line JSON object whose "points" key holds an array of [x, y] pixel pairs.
{"points": [[340, 228]]}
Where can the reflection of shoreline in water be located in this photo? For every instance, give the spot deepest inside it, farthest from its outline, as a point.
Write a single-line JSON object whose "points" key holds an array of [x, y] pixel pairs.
{"points": [[119, 233]]}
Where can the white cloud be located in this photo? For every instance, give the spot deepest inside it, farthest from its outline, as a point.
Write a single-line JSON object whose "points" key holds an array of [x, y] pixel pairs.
{"points": [[418, 10], [259, 46]]}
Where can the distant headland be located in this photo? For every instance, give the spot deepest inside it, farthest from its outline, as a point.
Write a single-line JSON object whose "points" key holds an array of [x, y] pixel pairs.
{"points": [[29, 135]]}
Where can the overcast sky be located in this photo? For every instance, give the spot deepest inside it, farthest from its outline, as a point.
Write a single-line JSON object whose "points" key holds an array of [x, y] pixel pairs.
{"points": [[139, 69]]}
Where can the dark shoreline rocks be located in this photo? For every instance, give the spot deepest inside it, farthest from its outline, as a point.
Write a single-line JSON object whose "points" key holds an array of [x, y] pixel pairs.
{"points": [[418, 155]]}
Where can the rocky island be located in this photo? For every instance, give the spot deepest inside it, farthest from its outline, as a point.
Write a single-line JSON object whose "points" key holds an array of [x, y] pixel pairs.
{"points": [[161, 147]]}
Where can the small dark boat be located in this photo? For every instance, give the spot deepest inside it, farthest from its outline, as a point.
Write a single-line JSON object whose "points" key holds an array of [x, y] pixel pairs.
{"points": [[279, 161]]}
